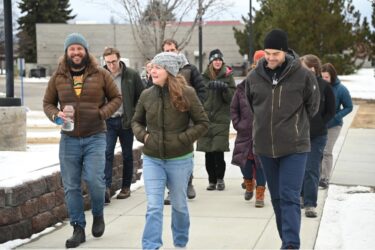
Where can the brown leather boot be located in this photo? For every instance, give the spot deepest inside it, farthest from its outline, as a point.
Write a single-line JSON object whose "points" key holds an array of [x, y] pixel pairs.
{"points": [[260, 196], [249, 184]]}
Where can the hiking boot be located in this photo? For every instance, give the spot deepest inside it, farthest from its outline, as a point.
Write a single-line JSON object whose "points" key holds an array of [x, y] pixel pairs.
{"points": [[77, 238], [191, 191], [98, 226], [243, 184], [323, 183], [259, 202], [211, 186], [249, 184], [167, 200], [107, 196], [124, 193], [310, 212], [220, 185]]}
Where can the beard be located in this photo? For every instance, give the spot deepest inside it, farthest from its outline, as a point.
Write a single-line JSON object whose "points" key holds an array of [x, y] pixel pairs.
{"points": [[80, 65]]}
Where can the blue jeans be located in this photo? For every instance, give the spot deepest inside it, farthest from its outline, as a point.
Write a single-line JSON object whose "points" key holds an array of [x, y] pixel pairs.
{"points": [[157, 174], [284, 177], [312, 172], [83, 157], [249, 168], [114, 130]]}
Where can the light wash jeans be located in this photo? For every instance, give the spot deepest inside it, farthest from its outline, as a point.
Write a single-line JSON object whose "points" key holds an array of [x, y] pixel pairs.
{"points": [[157, 175], [83, 158], [327, 162]]}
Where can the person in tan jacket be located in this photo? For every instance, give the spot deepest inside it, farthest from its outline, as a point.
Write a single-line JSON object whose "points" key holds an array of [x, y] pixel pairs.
{"points": [[92, 95]]}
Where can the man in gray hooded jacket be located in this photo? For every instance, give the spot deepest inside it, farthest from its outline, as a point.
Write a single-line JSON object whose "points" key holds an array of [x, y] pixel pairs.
{"points": [[283, 96]]}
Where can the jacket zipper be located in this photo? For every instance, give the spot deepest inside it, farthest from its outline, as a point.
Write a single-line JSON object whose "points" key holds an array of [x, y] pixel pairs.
{"points": [[273, 148], [273, 92], [296, 125]]}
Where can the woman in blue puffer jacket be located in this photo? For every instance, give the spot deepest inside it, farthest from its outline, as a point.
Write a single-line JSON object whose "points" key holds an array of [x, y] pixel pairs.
{"points": [[344, 106]]}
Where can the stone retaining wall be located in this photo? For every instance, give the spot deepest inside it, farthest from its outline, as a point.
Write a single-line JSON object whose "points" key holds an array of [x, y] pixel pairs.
{"points": [[35, 205]]}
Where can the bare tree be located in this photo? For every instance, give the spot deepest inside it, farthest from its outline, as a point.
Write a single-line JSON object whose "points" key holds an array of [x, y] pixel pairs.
{"points": [[150, 34]]}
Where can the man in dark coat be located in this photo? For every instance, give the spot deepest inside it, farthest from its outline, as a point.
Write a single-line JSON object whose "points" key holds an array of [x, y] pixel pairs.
{"points": [[283, 96], [119, 124]]}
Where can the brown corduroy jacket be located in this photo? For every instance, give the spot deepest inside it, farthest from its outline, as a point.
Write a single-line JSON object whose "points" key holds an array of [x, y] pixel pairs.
{"points": [[99, 98]]}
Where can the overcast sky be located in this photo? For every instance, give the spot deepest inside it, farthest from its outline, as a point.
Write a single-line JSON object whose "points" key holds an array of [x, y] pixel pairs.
{"points": [[101, 12]]}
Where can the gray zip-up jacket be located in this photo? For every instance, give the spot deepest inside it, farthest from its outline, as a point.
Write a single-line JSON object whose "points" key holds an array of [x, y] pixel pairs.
{"points": [[282, 111]]}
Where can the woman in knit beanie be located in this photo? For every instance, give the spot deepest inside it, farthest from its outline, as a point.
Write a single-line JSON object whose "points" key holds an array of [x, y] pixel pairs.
{"points": [[168, 119], [219, 82]]}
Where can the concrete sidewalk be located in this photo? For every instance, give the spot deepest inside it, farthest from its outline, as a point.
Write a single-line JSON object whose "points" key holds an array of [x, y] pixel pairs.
{"points": [[223, 219]]}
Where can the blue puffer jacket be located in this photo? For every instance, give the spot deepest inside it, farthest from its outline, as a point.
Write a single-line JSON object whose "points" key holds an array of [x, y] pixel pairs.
{"points": [[344, 104]]}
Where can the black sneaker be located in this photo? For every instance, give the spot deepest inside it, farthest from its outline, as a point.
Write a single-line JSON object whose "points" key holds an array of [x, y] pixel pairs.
{"points": [[191, 191], [323, 184], [310, 212], [220, 185], [98, 226], [167, 200], [211, 186], [77, 238], [107, 196]]}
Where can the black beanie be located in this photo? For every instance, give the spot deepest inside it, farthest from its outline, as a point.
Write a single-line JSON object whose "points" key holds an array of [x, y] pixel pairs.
{"points": [[276, 39], [215, 54]]}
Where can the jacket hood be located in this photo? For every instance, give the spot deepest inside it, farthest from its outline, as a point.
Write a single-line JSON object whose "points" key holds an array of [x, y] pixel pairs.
{"points": [[337, 82], [228, 71], [293, 63], [292, 53], [241, 86]]}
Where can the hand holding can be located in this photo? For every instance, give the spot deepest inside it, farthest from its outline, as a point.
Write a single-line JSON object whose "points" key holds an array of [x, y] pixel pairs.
{"points": [[68, 124]]}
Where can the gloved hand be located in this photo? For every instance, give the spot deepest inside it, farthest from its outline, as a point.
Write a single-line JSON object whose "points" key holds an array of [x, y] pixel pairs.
{"points": [[217, 85]]}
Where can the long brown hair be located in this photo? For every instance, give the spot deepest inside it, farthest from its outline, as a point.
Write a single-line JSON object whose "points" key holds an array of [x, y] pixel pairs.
{"points": [[212, 73], [176, 86], [312, 61]]}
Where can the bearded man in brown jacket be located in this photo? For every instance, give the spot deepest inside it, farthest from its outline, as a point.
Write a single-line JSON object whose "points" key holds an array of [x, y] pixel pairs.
{"points": [[79, 82]]}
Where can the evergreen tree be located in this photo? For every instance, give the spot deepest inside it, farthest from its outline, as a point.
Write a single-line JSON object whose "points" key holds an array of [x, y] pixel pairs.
{"points": [[320, 27], [38, 11], [372, 37], [242, 37]]}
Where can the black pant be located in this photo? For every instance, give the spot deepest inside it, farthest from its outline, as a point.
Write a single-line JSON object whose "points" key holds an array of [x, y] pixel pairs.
{"points": [[215, 166], [114, 131]]}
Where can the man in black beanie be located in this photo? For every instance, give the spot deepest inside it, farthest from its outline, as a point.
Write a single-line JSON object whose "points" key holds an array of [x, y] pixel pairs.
{"points": [[283, 96]]}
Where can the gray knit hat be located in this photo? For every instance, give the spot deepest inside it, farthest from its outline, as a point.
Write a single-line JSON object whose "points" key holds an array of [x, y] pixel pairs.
{"points": [[75, 38], [170, 61]]}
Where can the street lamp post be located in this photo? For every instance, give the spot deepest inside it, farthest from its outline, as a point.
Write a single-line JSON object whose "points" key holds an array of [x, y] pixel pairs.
{"points": [[200, 40], [251, 49], [8, 48]]}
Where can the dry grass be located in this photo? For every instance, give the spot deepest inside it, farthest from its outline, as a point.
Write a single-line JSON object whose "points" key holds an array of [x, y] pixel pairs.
{"points": [[365, 117]]}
